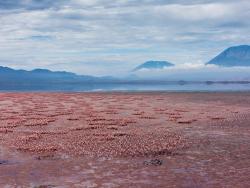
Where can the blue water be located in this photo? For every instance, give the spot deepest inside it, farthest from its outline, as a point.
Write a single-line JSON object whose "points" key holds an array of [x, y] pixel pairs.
{"points": [[189, 87]]}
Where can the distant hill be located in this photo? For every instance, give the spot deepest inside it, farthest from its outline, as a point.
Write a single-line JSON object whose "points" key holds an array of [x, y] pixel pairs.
{"points": [[12, 77], [8, 74], [154, 65], [233, 56]]}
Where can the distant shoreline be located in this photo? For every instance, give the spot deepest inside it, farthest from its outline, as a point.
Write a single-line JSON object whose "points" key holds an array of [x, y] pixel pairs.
{"points": [[135, 86]]}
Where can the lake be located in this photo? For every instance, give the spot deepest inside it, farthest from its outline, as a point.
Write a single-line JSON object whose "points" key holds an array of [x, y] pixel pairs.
{"points": [[133, 87]]}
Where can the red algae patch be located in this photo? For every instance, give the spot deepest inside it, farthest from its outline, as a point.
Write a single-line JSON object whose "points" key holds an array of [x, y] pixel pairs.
{"points": [[5, 130], [217, 118], [186, 121]]}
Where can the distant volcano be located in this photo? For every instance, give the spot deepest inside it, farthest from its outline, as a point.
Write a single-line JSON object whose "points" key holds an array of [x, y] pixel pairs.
{"points": [[154, 65], [232, 57]]}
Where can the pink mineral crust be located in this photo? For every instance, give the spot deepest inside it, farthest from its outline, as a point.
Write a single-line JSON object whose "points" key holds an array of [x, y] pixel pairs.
{"points": [[87, 124], [188, 130], [100, 124]]}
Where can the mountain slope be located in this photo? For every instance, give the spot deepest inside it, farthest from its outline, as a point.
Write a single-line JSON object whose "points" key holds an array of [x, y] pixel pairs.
{"points": [[233, 56], [154, 65], [43, 76]]}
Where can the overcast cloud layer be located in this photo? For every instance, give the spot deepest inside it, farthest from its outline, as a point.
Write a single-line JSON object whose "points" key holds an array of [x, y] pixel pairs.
{"points": [[107, 37]]}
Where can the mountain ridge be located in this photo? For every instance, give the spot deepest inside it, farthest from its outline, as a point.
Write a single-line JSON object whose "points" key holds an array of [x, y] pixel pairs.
{"points": [[44, 76], [232, 56]]}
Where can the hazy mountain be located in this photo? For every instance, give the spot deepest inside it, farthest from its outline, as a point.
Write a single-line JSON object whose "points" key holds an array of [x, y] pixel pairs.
{"points": [[10, 76], [154, 65], [233, 56], [37, 74]]}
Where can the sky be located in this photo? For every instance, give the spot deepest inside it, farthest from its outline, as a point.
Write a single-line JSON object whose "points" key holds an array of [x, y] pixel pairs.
{"points": [[108, 37]]}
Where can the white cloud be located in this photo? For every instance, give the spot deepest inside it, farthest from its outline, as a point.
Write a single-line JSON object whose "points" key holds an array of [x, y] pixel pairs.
{"points": [[196, 73], [106, 37]]}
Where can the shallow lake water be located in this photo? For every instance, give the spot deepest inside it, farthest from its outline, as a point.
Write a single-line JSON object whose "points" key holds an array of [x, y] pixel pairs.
{"points": [[98, 87]]}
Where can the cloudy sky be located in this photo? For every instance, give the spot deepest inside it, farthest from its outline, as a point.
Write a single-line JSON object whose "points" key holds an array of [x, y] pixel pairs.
{"points": [[108, 37]]}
